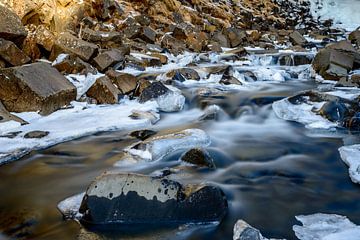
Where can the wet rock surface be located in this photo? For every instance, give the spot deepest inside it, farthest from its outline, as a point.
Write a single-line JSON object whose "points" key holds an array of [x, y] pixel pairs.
{"points": [[114, 199], [198, 157]]}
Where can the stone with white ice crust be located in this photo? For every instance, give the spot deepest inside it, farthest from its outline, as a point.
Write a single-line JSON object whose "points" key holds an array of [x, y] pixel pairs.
{"points": [[326, 227], [126, 198], [244, 231], [351, 156], [156, 148]]}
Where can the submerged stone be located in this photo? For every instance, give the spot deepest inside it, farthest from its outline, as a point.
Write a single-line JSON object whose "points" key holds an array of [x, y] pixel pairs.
{"points": [[127, 199], [199, 157], [36, 134], [334, 111]]}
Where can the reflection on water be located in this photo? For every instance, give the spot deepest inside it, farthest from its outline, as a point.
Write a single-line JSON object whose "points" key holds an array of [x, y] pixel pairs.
{"points": [[269, 169]]}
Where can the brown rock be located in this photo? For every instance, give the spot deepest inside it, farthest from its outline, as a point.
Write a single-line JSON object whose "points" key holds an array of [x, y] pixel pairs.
{"points": [[125, 82], [11, 27], [163, 58], [74, 65], [36, 134], [236, 36], [354, 37], [148, 35], [104, 92], [100, 36], [172, 43], [6, 116], [12, 54], [187, 73], [141, 86], [108, 59], [35, 87], [67, 43], [221, 39]]}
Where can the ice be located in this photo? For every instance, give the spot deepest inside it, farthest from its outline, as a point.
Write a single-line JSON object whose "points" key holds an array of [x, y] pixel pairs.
{"points": [[64, 125], [326, 227], [351, 156], [8, 126], [83, 82], [243, 231], [60, 58], [70, 206], [158, 147], [345, 13], [302, 113]]}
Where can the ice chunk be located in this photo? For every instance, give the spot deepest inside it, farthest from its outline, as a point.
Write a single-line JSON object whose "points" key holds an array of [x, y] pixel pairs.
{"points": [[302, 113], [158, 147], [351, 156], [70, 206], [243, 231], [326, 227], [171, 102], [83, 82]]}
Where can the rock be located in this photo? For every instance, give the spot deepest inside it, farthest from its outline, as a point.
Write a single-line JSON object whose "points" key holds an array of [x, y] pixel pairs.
{"points": [[354, 37], [143, 60], [170, 42], [143, 20], [12, 54], [199, 157], [156, 148], [295, 59], [142, 134], [36, 134], [221, 39], [67, 43], [35, 87], [334, 111], [187, 73], [125, 82], [297, 39], [228, 77], [148, 35], [153, 117], [141, 85], [153, 91], [71, 64], [104, 92], [236, 37], [114, 199], [11, 27], [243, 231], [100, 36], [6, 116], [108, 59]]}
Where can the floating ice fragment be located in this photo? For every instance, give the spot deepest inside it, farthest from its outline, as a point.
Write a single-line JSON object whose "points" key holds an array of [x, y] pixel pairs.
{"points": [[351, 156]]}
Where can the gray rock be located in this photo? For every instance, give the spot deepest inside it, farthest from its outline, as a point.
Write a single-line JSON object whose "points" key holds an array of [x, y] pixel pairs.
{"points": [[104, 92], [297, 39], [148, 35], [108, 59], [6, 116], [236, 37], [12, 54], [114, 200], [172, 43], [72, 64], [186, 74], [35, 87], [100, 36], [11, 27], [67, 43], [36, 134], [155, 90]]}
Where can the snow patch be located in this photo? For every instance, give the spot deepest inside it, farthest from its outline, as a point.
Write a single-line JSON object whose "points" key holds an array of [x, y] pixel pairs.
{"points": [[351, 156]]}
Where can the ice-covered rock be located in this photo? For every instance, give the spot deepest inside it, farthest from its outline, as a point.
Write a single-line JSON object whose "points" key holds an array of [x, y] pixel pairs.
{"points": [[70, 206], [326, 227], [156, 148], [83, 82], [171, 102], [244, 231], [351, 156]]}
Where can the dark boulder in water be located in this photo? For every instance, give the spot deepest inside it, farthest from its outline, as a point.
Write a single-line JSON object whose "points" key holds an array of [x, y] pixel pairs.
{"points": [[126, 199], [334, 111], [198, 157]]}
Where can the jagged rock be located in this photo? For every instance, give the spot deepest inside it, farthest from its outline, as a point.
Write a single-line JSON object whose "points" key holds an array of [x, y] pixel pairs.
{"points": [[67, 43], [104, 92], [36, 134], [6, 116], [199, 157], [143, 20], [163, 58], [11, 27], [149, 115], [143, 134], [153, 91], [143, 60], [295, 60], [35, 87], [108, 59], [183, 74], [12, 54], [170, 42], [72, 64], [42, 36], [141, 85], [221, 39], [125, 82], [297, 39], [114, 199], [100, 36], [148, 35], [228, 78]]}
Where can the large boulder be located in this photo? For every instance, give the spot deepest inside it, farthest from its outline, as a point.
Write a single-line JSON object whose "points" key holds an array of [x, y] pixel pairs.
{"points": [[11, 27], [354, 37], [12, 54], [125, 82], [35, 87], [67, 43], [120, 199]]}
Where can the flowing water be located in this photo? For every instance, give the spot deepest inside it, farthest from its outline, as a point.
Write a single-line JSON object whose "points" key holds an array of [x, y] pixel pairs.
{"points": [[269, 169]]}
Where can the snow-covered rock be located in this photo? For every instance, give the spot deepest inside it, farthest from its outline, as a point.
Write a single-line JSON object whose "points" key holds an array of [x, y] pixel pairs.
{"points": [[351, 156]]}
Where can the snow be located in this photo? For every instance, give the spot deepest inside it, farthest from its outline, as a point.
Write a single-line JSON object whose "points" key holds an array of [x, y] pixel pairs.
{"points": [[83, 82], [64, 125], [70, 206], [302, 113], [158, 147], [351, 156], [60, 58], [326, 227], [345, 13]]}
